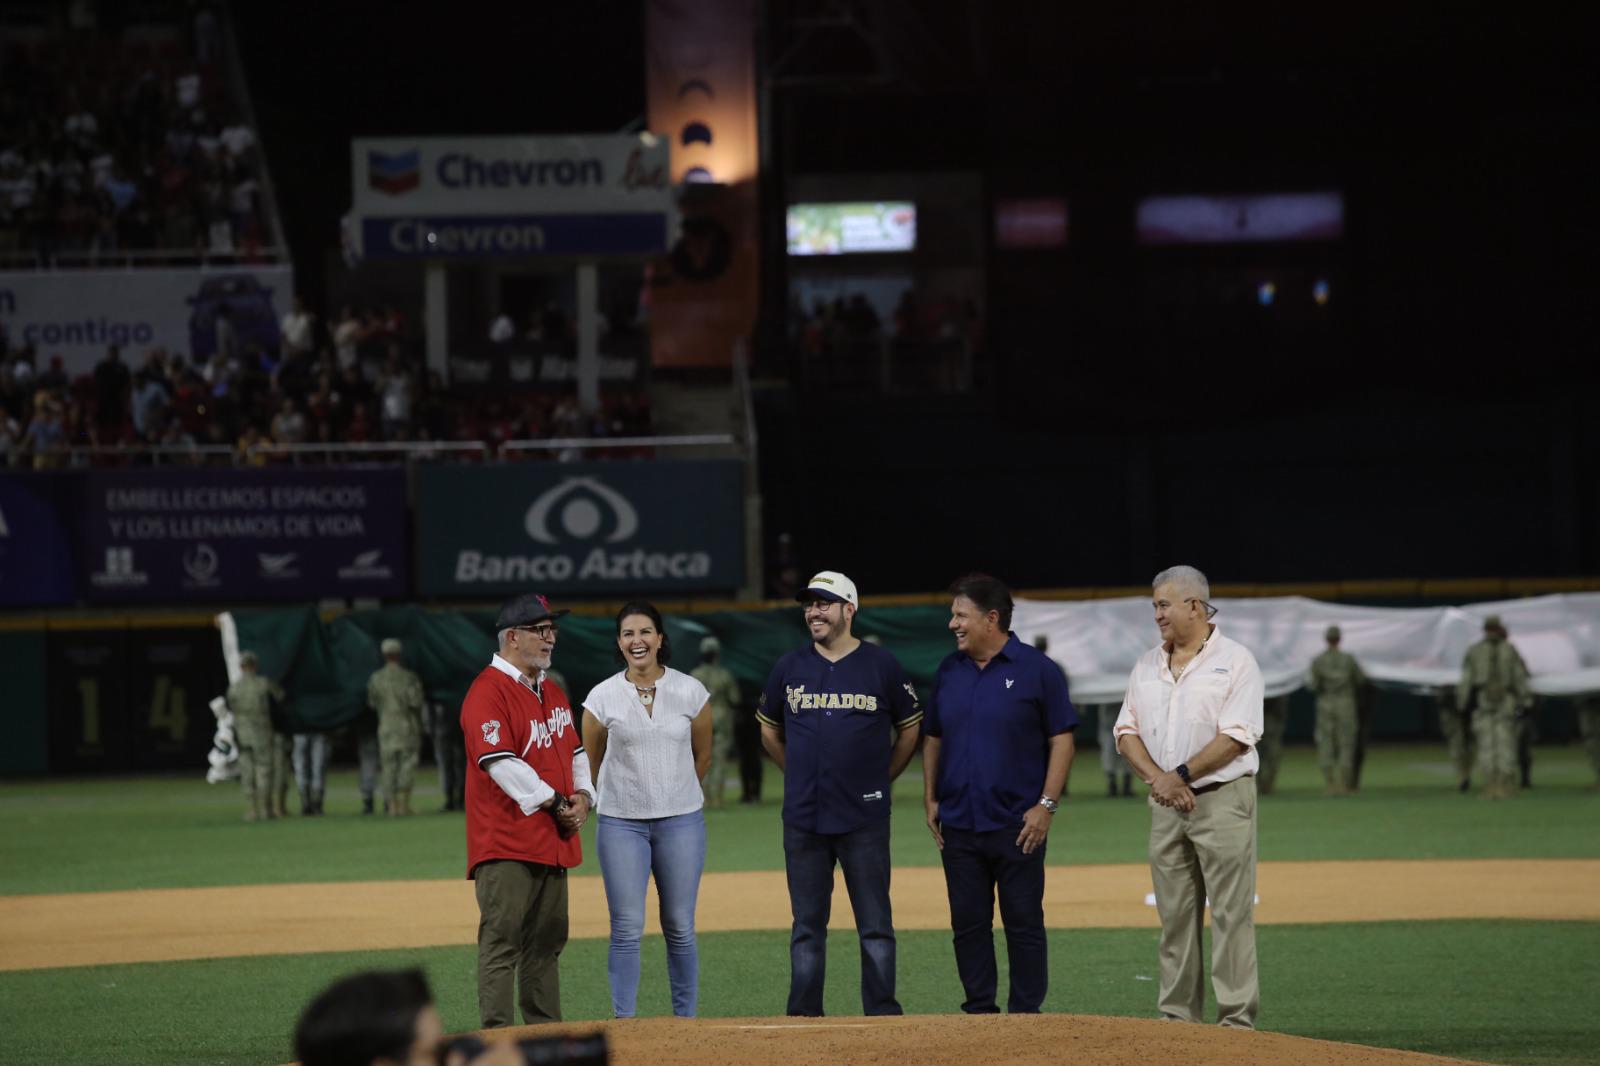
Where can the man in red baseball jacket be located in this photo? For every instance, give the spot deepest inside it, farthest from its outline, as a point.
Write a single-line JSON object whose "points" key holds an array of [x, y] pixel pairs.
{"points": [[528, 793]]}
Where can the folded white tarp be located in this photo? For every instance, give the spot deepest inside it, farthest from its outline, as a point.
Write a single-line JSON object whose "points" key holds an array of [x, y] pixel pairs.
{"points": [[1411, 647]]}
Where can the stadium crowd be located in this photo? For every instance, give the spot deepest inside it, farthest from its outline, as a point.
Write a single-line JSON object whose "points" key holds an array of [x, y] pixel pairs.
{"points": [[111, 145], [359, 379]]}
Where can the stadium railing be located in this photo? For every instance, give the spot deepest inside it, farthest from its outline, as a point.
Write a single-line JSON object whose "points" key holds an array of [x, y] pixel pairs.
{"points": [[405, 451]]}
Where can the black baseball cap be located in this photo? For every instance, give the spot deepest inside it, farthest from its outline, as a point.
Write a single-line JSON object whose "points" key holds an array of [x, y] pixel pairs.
{"points": [[527, 610]]}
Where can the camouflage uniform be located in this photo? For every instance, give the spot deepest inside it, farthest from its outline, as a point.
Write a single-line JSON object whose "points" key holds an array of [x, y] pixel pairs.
{"points": [[395, 693], [282, 744], [1274, 717], [724, 690], [250, 698], [1336, 678], [1589, 726], [1458, 736], [1494, 680], [449, 754]]}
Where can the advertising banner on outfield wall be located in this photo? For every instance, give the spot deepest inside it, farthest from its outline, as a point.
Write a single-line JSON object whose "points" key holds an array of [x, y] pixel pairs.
{"points": [[77, 314], [589, 529], [166, 536], [469, 197], [36, 567]]}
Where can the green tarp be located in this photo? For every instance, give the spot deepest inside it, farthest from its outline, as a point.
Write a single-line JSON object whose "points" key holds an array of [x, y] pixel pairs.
{"points": [[325, 666]]}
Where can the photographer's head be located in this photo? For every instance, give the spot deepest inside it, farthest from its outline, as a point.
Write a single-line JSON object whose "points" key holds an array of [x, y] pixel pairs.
{"points": [[373, 1017]]}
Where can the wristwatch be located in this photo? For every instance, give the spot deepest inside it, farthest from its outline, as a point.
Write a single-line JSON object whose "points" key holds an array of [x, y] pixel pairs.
{"points": [[561, 803], [1049, 804], [1183, 772]]}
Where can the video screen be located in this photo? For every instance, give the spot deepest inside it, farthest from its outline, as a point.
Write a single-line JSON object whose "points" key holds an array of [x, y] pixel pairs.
{"points": [[1035, 223], [1312, 216], [848, 229]]}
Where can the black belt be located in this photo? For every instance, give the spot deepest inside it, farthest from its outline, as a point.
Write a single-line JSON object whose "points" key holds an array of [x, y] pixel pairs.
{"points": [[1203, 789]]}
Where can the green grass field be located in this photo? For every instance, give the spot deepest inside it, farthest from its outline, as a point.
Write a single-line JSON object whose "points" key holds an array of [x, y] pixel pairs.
{"points": [[1515, 992]]}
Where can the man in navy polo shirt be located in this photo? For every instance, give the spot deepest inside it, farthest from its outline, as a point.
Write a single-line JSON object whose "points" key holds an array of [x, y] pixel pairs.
{"points": [[998, 752], [840, 718]]}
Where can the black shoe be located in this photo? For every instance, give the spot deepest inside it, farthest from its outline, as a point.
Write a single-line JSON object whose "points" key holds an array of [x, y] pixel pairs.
{"points": [[1465, 786], [366, 804], [1127, 784], [1111, 785]]}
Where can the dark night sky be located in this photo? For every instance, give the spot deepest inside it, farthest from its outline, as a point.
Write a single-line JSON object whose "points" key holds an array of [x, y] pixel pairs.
{"points": [[425, 68], [1464, 345], [1459, 137]]}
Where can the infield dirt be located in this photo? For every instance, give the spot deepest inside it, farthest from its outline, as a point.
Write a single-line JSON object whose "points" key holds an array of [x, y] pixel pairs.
{"points": [[89, 928]]}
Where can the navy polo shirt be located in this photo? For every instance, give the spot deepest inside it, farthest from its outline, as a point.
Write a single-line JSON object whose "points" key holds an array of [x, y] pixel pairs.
{"points": [[995, 726], [838, 722]]}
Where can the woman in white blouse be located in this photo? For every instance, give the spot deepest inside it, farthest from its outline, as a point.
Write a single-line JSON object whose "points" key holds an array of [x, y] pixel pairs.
{"points": [[648, 735]]}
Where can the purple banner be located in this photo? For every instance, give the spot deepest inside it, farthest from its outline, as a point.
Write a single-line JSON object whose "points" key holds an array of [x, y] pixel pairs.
{"points": [[35, 553], [240, 536]]}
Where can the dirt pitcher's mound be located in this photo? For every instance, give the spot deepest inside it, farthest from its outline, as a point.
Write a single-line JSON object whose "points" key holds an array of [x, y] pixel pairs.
{"points": [[935, 1039]]}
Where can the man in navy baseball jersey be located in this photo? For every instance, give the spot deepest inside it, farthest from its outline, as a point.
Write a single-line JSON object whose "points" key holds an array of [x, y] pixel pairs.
{"points": [[997, 756], [840, 718]]}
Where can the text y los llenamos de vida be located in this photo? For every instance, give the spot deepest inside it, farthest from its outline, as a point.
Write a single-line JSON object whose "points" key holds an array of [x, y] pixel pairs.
{"points": [[237, 526]]}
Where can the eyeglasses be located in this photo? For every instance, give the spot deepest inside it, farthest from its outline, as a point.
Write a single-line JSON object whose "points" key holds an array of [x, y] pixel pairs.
{"points": [[1211, 612], [820, 606], [544, 632]]}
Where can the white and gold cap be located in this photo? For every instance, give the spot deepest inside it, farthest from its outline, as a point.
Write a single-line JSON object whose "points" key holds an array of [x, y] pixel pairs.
{"points": [[830, 585]]}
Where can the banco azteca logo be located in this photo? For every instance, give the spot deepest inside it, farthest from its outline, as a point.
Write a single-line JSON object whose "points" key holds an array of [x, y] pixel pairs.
{"points": [[581, 508]]}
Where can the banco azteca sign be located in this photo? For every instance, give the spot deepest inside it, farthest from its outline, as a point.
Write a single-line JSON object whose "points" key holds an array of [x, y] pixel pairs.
{"points": [[630, 525]]}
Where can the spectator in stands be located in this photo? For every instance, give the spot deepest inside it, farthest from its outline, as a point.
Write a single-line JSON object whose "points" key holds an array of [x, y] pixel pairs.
{"points": [[289, 425], [860, 318], [502, 330], [249, 451], [15, 400], [53, 377], [298, 328], [347, 334], [150, 398], [359, 428], [324, 404], [46, 436], [395, 388], [111, 383], [174, 435], [432, 412]]}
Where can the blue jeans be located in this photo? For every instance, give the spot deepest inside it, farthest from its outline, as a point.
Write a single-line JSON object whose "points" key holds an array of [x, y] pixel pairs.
{"points": [[631, 849], [863, 855], [978, 866]]}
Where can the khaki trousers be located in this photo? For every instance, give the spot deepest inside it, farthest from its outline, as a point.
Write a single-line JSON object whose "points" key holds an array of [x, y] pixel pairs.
{"points": [[1208, 851], [522, 927]]}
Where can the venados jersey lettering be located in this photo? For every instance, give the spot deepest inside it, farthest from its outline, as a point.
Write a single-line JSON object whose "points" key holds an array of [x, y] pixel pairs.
{"points": [[801, 700]]}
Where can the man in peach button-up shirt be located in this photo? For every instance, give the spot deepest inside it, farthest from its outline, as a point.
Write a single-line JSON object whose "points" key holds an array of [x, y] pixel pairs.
{"points": [[1189, 726]]}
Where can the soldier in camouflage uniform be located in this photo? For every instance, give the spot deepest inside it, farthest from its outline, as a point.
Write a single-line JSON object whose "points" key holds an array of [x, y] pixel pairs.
{"points": [[395, 693], [449, 754], [724, 690], [250, 699], [1336, 679], [1459, 741], [1589, 727], [1274, 717], [1494, 687]]}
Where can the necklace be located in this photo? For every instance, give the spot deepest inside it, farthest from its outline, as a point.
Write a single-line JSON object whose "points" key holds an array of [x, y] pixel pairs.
{"points": [[647, 696], [1176, 674]]}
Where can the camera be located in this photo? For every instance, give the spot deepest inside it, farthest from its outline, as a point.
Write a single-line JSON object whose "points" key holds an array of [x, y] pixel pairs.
{"points": [[575, 1050]]}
